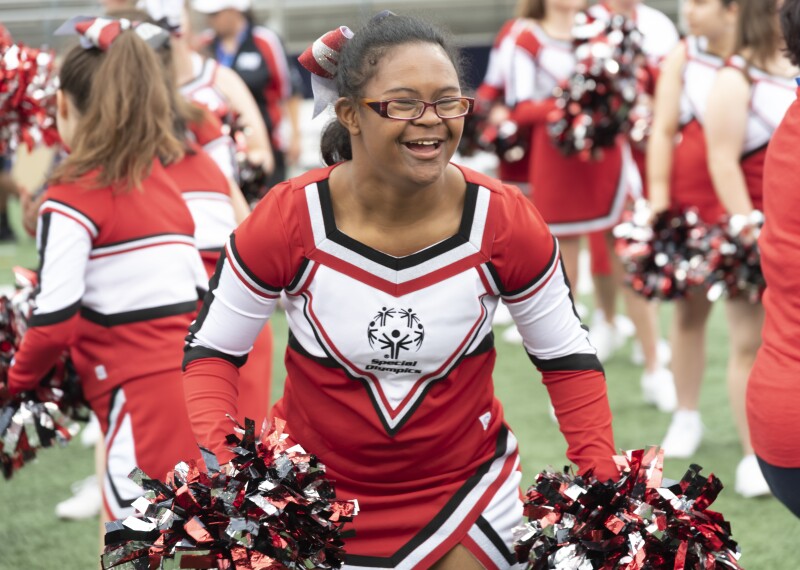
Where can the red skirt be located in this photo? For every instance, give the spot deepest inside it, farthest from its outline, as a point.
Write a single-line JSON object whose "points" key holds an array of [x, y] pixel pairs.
{"points": [[575, 196], [691, 184]]}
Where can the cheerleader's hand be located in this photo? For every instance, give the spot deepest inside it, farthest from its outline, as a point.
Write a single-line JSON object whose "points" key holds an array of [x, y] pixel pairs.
{"points": [[746, 228]]}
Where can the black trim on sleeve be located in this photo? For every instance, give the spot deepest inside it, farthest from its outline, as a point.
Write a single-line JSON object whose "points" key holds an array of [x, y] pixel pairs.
{"points": [[547, 268], [55, 317], [44, 236], [191, 352], [71, 207], [247, 271], [139, 315], [484, 346], [299, 275], [568, 363], [197, 352]]}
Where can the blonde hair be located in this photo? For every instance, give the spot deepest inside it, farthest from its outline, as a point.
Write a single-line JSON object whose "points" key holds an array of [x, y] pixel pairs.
{"points": [[126, 117]]}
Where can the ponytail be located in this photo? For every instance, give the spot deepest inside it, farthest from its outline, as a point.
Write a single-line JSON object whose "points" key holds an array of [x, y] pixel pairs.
{"points": [[335, 143], [126, 117]]}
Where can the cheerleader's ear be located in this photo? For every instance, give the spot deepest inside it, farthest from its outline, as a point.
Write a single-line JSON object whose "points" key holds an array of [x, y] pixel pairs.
{"points": [[348, 115], [62, 106]]}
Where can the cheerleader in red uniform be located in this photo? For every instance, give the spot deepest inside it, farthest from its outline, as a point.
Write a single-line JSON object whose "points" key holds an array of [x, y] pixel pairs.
{"points": [[747, 102], [118, 277], [659, 37], [391, 262], [773, 389], [679, 177]]}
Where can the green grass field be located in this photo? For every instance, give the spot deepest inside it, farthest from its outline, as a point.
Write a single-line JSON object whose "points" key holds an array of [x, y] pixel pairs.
{"points": [[32, 538]]}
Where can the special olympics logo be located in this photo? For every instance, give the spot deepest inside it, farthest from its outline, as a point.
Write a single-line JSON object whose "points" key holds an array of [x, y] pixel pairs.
{"points": [[395, 330]]}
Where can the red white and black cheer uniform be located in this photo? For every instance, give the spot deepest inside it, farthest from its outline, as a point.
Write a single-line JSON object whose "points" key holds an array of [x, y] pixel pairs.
{"points": [[773, 390], [690, 182], [770, 97], [118, 285], [202, 91], [390, 364], [207, 194], [574, 196], [496, 88]]}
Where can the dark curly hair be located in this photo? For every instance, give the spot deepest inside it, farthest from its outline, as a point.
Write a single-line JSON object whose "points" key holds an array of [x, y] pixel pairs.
{"points": [[359, 60]]}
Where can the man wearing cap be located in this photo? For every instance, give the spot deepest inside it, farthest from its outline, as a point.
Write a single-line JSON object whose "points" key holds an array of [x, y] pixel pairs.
{"points": [[257, 55]]}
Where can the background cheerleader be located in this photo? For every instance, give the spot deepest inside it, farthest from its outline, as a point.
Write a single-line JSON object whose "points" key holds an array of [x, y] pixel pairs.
{"points": [[118, 277], [773, 390], [679, 177], [748, 100]]}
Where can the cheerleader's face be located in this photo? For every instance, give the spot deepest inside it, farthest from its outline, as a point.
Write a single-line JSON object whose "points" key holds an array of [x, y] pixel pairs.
{"points": [[402, 152], [710, 18]]}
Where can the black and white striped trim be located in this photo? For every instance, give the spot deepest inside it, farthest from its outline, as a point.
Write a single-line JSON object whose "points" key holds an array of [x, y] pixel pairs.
{"points": [[138, 243], [86, 221], [399, 270], [244, 273]]}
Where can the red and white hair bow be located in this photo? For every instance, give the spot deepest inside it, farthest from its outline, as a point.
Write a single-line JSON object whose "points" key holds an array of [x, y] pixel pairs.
{"points": [[100, 33], [322, 60]]}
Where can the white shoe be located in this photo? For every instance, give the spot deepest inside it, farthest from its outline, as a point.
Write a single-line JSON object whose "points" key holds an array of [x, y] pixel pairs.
{"points": [[750, 481], [663, 353], [502, 316], [85, 502], [624, 326], [684, 434], [91, 432], [511, 335], [605, 339], [658, 388]]}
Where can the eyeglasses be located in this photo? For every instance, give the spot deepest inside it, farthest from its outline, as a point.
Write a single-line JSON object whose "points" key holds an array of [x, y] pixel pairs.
{"points": [[411, 109]]}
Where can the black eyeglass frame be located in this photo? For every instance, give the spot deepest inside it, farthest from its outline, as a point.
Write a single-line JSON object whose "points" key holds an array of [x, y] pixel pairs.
{"points": [[382, 107]]}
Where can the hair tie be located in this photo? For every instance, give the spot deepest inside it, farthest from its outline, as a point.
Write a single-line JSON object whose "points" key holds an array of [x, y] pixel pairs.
{"points": [[100, 33], [322, 59]]}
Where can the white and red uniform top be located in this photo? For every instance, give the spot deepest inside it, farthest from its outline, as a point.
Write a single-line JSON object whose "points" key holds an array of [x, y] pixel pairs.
{"points": [[389, 363], [495, 85], [118, 283], [774, 386], [691, 184], [207, 194], [659, 35], [574, 196], [770, 97], [202, 90]]}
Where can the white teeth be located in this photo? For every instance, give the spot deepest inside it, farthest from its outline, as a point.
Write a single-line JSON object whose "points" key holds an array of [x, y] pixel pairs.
{"points": [[423, 142]]}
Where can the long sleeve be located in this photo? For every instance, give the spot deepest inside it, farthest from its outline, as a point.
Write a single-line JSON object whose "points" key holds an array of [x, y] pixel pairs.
{"points": [[64, 240], [243, 293], [529, 109], [535, 290]]}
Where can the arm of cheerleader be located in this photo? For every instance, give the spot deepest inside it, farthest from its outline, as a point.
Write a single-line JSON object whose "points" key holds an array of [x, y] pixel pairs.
{"points": [[541, 304], [529, 108], [238, 304], [666, 118], [64, 241], [725, 130], [259, 149]]}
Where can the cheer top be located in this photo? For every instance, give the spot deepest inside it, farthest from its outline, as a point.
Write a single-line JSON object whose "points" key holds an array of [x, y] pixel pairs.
{"points": [[659, 36], [691, 184], [770, 97], [261, 62], [211, 137], [389, 361], [773, 389], [118, 283], [207, 194], [495, 87], [574, 196]]}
